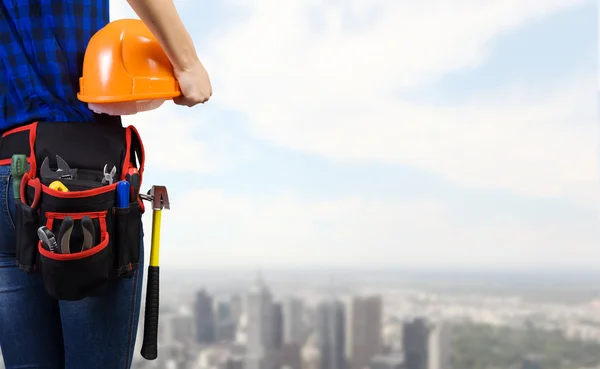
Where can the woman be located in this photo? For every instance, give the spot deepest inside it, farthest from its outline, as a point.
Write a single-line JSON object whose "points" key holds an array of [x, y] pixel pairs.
{"points": [[42, 43]]}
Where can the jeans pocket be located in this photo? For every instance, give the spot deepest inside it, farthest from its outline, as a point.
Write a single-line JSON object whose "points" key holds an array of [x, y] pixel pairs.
{"points": [[7, 214]]}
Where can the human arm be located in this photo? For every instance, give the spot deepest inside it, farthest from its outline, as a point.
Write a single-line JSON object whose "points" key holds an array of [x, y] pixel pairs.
{"points": [[161, 17]]}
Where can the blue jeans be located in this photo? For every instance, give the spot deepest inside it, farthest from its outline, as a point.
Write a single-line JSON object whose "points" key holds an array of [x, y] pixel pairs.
{"points": [[39, 332]]}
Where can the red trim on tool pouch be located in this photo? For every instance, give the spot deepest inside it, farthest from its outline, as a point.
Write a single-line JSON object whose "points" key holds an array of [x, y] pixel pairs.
{"points": [[76, 256], [28, 127], [91, 214], [143, 158], [32, 138], [37, 186], [100, 215], [131, 129], [79, 194], [24, 182], [126, 160], [19, 129]]}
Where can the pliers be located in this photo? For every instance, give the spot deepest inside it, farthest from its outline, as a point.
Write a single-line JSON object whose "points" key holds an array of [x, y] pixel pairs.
{"points": [[109, 177], [66, 228]]}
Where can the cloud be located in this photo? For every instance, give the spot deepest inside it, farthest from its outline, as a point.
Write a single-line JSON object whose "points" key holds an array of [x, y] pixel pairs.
{"points": [[225, 230], [308, 81], [324, 77], [172, 140]]}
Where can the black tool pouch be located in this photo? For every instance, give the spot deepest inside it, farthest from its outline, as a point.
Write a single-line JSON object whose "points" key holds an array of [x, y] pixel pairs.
{"points": [[117, 231]]}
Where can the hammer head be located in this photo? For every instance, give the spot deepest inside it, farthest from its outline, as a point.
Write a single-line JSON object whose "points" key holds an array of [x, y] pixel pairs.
{"points": [[160, 197]]}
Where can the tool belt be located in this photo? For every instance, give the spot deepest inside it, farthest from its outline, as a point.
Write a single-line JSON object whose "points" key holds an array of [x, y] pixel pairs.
{"points": [[102, 240]]}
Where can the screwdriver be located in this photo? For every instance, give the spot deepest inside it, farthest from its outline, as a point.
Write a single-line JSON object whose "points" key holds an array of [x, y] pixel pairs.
{"points": [[18, 167], [133, 177]]}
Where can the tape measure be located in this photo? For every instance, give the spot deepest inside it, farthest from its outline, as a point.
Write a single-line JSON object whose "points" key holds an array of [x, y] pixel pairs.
{"points": [[58, 186]]}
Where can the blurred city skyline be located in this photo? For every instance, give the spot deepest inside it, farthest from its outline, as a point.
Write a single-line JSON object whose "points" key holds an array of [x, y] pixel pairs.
{"points": [[426, 325]]}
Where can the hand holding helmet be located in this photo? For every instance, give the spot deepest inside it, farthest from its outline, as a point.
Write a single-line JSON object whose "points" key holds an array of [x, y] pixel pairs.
{"points": [[194, 84], [125, 71]]}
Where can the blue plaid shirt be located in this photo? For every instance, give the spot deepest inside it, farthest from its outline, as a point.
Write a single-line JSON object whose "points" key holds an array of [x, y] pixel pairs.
{"points": [[42, 43]]}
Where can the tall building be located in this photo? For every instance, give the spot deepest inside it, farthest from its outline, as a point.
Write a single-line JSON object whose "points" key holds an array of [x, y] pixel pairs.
{"points": [[167, 329], [235, 303], [183, 327], [311, 353], [363, 332], [277, 325], [440, 347], [223, 310], [290, 356], [331, 335], [224, 322], [234, 363], [415, 342], [293, 327], [259, 348], [205, 323]]}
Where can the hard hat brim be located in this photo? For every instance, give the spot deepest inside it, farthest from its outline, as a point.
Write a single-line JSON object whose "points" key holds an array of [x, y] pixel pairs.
{"points": [[126, 98]]}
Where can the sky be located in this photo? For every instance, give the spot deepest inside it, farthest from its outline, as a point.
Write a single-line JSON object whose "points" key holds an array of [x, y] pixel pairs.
{"points": [[382, 133]]}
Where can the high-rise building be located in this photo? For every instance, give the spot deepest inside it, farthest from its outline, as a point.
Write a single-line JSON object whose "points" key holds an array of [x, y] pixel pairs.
{"points": [[277, 325], [331, 335], [293, 327], [224, 322], [440, 347], [166, 328], [223, 311], [235, 303], [363, 332], [183, 327], [289, 356], [205, 323], [259, 349], [311, 353], [415, 342], [234, 363]]}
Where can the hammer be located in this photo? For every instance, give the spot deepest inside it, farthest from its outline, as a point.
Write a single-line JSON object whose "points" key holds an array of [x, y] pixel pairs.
{"points": [[160, 200]]}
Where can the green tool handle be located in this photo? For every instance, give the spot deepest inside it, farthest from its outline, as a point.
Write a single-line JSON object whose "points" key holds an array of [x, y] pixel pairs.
{"points": [[18, 168]]}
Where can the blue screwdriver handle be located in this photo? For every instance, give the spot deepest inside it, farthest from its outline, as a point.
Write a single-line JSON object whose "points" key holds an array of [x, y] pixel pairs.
{"points": [[123, 188]]}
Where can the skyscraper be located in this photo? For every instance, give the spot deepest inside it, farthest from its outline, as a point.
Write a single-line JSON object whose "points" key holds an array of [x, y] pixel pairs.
{"points": [[277, 321], [293, 327], [440, 347], [259, 350], [330, 321], [363, 333], [235, 302], [311, 353], [224, 322], [205, 323], [415, 342]]}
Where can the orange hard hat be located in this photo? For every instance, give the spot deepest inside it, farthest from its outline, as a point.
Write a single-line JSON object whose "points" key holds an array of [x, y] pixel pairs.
{"points": [[124, 62]]}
